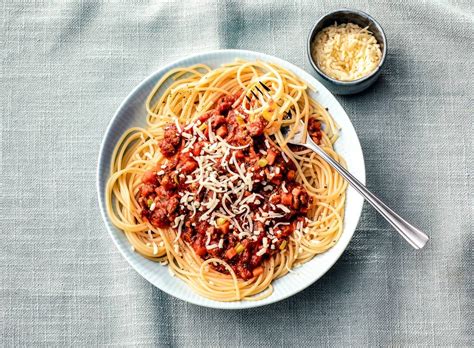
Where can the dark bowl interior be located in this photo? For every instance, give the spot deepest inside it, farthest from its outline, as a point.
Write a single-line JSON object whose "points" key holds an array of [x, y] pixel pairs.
{"points": [[348, 16]]}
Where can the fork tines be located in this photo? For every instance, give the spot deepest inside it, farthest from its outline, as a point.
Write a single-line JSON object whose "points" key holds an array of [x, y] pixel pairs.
{"points": [[267, 89]]}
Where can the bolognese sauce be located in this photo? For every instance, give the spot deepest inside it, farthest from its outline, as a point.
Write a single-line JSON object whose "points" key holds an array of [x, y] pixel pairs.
{"points": [[226, 190]]}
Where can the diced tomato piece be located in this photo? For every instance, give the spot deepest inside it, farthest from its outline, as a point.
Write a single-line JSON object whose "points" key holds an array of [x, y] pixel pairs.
{"points": [[149, 177], [286, 199], [287, 230], [203, 118], [189, 166], [257, 271], [225, 227], [239, 154], [230, 253], [291, 175], [200, 250], [271, 156], [222, 131], [197, 149]]}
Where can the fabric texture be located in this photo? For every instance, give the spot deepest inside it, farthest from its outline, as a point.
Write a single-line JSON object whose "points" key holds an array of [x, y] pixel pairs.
{"points": [[66, 66]]}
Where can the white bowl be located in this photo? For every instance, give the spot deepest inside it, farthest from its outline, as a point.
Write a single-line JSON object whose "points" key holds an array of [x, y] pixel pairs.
{"points": [[132, 113]]}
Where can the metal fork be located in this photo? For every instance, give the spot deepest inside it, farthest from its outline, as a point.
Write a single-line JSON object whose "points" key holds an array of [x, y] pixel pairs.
{"points": [[412, 235]]}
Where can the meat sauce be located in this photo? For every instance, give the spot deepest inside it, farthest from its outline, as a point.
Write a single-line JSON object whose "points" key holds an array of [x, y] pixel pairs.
{"points": [[270, 207]]}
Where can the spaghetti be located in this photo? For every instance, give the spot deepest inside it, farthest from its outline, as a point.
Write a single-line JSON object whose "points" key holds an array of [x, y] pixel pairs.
{"points": [[210, 187]]}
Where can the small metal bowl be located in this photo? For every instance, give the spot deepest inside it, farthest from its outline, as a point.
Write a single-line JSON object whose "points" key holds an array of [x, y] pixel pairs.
{"points": [[363, 20]]}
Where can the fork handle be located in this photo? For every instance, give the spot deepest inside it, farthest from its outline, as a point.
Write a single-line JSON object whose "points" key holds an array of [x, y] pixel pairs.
{"points": [[412, 235]]}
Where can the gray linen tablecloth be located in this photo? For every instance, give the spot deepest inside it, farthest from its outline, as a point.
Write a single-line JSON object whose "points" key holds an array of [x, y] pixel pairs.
{"points": [[67, 66]]}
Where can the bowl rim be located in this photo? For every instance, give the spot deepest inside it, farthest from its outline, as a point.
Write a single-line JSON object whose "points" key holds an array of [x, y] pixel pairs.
{"points": [[103, 167], [312, 33]]}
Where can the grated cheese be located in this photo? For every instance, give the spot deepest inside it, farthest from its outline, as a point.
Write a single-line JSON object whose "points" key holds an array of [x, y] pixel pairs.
{"points": [[346, 52], [282, 207], [226, 193]]}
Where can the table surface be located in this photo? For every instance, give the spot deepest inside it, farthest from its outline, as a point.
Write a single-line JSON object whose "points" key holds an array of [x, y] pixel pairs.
{"points": [[67, 66]]}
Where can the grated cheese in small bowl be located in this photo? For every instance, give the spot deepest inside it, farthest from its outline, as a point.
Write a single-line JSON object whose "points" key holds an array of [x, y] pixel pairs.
{"points": [[346, 52]]}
